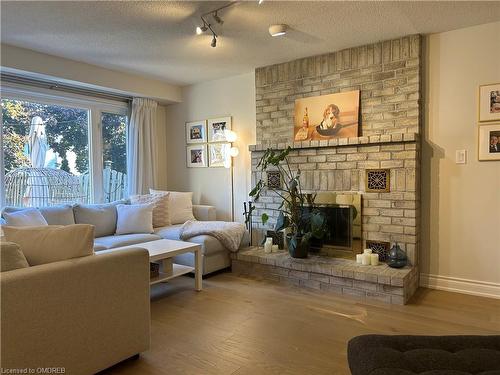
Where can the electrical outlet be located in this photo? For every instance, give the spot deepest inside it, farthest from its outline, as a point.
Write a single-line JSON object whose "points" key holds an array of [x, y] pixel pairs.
{"points": [[461, 156]]}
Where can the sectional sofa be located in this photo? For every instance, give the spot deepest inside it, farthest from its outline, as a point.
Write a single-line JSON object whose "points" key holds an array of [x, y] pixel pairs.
{"points": [[104, 216]]}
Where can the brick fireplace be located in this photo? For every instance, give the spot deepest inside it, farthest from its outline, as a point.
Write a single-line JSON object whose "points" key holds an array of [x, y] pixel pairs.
{"points": [[388, 77]]}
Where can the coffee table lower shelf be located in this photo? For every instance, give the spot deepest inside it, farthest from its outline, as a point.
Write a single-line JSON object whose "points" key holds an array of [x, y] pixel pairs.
{"points": [[177, 270]]}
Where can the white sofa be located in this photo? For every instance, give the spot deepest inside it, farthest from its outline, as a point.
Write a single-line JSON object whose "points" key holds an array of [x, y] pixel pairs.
{"points": [[80, 314], [215, 256]]}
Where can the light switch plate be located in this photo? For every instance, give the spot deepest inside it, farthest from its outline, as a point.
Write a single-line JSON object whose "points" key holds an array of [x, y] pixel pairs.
{"points": [[461, 156]]}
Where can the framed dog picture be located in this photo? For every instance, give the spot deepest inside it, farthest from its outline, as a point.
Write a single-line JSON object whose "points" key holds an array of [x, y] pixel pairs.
{"points": [[489, 142], [489, 102], [196, 156], [218, 155], [327, 116], [217, 127], [196, 132]]}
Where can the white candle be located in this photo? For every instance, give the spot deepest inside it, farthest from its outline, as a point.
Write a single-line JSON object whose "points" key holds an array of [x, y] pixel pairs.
{"points": [[275, 248], [367, 251], [359, 258], [374, 259], [366, 259], [268, 245]]}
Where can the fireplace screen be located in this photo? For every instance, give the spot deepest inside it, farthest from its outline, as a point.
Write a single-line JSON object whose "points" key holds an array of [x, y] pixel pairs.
{"points": [[343, 215]]}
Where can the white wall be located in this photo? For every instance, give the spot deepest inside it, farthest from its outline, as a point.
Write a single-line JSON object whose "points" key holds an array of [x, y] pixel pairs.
{"points": [[234, 96], [460, 203]]}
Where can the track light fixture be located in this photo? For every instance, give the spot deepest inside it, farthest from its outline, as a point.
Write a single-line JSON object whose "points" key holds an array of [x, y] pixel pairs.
{"points": [[217, 18], [207, 26]]}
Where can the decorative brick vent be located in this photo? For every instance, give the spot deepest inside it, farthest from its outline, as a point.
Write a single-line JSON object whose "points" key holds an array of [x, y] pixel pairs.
{"points": [[274, 179], [378, 180], [379, 247]]}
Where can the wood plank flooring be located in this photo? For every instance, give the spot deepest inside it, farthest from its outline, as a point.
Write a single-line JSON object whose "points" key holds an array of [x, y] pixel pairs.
{"points": [[241, 326]]}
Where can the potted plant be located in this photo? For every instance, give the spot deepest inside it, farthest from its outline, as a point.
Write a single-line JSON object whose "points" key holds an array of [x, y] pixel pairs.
{"points": [[296, 211]]}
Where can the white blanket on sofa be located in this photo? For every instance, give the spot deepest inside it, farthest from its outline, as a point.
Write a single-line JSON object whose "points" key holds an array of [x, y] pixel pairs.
{"points": [[229, 234]]}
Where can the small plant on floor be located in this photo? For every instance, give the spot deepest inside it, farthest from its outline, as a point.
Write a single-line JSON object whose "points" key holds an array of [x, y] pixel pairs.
{"points": [[296, 211]]}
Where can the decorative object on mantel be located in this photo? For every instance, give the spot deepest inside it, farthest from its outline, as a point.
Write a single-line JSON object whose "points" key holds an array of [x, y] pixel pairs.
{"points": [[274, 179], [297, 211], [277, 238], [327, 116], [397, 257], [379, 247], [378, 180], [196, 156], [489, 142], [489, 102], [196, 132], [217, 129]]}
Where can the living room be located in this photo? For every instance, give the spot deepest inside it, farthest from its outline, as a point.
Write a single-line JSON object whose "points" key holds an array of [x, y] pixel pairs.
{"points": [[211, 187]]}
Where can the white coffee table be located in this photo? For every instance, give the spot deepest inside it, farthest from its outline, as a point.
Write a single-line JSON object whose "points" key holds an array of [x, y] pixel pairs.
{"points": [[163, 251]]}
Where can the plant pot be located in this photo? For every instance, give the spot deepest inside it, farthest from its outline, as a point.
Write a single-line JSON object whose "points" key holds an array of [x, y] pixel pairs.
{"points": [[296, 247]]}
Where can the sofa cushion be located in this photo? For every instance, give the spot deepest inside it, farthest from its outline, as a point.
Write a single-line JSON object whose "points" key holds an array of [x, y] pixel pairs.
{"points": [[180, 205], [54, 215], [134, 218], [58, 215], [160, 203], [11, 257], [101, 216], [209, 245], [98, 247], [109, 242], [52, 243], [24, 218]]}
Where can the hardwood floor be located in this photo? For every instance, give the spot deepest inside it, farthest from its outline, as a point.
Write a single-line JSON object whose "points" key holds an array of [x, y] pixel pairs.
{"points": [[241, 326]]}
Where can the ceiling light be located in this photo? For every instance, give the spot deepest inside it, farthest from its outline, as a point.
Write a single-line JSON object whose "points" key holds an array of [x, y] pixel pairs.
{"points": [[217, 18], [278, 30], [214, 41]]}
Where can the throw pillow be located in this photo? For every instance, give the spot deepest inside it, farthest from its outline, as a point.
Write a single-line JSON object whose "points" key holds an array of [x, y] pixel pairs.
{"points": [[54, 215], [180, 206], [11, 257], [52, 243], [101, 216], [160, 207], [24, 218], [134, 218]]}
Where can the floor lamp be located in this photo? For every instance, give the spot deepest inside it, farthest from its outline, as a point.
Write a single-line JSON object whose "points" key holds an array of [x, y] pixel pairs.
{"points": [[233, 151]]}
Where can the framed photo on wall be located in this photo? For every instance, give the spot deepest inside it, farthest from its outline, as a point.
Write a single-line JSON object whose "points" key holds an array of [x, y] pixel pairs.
{"points": [[489, 142], [218, 155], [196, 156], [489, 102], [196, 132], [217, 127]]}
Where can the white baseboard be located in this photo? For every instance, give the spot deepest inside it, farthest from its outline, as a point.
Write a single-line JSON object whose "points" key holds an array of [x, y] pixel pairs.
{"points": [[466, 286]]}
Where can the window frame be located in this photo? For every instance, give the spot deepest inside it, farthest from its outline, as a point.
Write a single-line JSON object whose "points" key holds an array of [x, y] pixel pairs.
{"points": [[95, 108]]}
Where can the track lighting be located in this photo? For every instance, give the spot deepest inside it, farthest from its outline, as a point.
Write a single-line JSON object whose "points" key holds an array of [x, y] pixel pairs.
{"points": [[214, 41], [217, 18]]}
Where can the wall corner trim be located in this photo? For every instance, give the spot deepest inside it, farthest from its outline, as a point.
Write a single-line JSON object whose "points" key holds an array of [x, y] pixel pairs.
{"points": [[458, 285]]}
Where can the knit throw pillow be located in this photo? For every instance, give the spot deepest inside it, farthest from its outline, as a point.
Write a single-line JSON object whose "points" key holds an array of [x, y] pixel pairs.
{"points": [[161, 217]]}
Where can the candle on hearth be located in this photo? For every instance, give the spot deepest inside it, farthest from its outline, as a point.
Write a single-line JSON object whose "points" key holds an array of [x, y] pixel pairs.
{"points": [[359, 258], [366, 259], [367, 251], [374, 259], [275, 248], [268, 245]]}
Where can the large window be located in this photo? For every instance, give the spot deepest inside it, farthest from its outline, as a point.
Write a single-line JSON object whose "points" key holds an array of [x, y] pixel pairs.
{"points": [[62, 150]]}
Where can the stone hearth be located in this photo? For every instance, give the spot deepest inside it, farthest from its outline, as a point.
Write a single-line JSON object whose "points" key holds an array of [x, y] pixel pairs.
{"points": [[331, 275]]}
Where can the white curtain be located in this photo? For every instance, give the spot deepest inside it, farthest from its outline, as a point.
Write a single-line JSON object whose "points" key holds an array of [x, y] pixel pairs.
{"points": [[141, 146]]}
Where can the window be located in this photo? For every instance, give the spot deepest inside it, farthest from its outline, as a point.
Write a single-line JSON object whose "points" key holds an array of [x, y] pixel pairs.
{"points": [[61, 149]]}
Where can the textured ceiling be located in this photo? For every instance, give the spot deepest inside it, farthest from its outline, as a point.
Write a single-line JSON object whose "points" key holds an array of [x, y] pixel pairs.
{"points": [[157, 39]]}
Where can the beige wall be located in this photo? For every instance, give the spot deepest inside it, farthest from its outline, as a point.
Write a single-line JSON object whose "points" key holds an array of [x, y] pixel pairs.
{"points": [[234, 96], [461, 203], [21, 60]]}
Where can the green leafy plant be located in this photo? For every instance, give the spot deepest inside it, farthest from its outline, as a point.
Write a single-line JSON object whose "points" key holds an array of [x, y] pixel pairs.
{"points": [[297, 210]]}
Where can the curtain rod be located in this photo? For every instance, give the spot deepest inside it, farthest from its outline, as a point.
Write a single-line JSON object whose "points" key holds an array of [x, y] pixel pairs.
{"points": [[54, 85]]}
